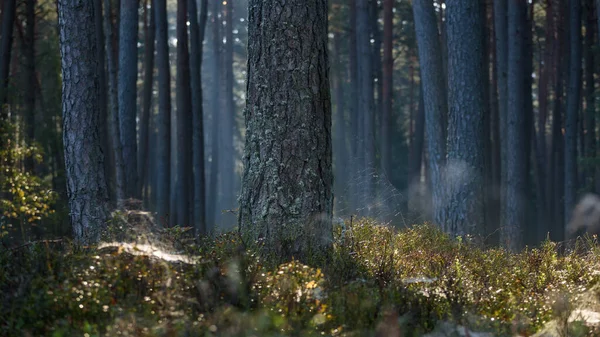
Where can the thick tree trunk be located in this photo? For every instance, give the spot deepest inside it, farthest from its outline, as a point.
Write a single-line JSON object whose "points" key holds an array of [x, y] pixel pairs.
{"points": [[184, 119], [128, 60], [573, 100], [111, 60], [366, 152], [515, 210], [149, 36], [388, 70], [86, 184], [465, 171], [436, 105], [196, 38], [287, 200], [163, 119], [8, 23], [213, 191]]}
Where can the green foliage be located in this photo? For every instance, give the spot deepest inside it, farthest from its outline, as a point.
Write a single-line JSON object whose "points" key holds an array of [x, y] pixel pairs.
{"points": [[377, 278]]}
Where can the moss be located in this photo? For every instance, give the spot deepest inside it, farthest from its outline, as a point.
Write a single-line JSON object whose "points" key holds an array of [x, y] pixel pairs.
{"points": [[375, 277]]}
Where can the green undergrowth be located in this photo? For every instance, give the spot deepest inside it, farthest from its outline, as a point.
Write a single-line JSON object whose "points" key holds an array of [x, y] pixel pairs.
{"points": [[143, 281]]}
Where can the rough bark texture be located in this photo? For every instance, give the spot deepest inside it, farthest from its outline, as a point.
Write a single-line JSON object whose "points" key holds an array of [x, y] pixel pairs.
{"points": [[196, 51], [149, 36], [163, 119], [464, 174], [128, 60], [436, 105], [366, 152], [515, 210], [286, 199], [111, 60], [8, 19], [388, 70], [86, 185], [573, 100], [184, 119]]}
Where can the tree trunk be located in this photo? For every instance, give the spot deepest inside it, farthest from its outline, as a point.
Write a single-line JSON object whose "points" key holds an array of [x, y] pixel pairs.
{"points": [[149, 36], [163, 119], [357, 169], [228, 154], [590, 112], [128, 60], [388, 70], [434, 94], [339, 131], [515, 210], [366, 152], [287, 199], [213, 191], [8, 23], [111, 60], [29, 95], [465, 171], [86, 185], [196, 48], [573, 100], [184, 118]]}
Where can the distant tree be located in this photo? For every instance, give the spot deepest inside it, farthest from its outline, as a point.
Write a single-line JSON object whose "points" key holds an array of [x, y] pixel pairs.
{"points": [[163, 119], [286, 201], [573, 101], [127, 88], [86, 184], [387, 85], [434, 93], [213, 190], [8, 19], [149, 37], [184, 119], [197, 30], [464, 176], [31, 80]]}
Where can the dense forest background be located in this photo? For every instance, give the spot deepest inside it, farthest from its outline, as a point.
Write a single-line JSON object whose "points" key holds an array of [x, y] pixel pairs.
{"points": [[395, 119]]}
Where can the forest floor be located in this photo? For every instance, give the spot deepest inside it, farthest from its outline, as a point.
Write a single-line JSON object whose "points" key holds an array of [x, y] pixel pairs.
{"points": [[144, 281]]}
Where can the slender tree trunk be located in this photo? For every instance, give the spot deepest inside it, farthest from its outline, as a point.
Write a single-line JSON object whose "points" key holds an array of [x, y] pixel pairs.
{"points": [[8, 23], [86, 184], [388, 70], [416, 156], [515, 210], [197, 37], [287, 200], [111, 60], [128, 60], [354, 111], [434, 94], [29, 95], [184, 118], [590, 112], [163, 119], [212, 195], [365, 104], [377, 63], [573, 100], [465, 208], [228, 154], [530, 229], [339, 131], [149, 36]]}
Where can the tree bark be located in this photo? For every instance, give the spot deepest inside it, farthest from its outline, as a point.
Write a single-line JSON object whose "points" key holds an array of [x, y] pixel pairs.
{"points": [[86, 184], [197, 30], [465, 171], [573, 100], [149, 37], [436, 105], [287, 200], [515, 210], [128, 60], [163, 119]]}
